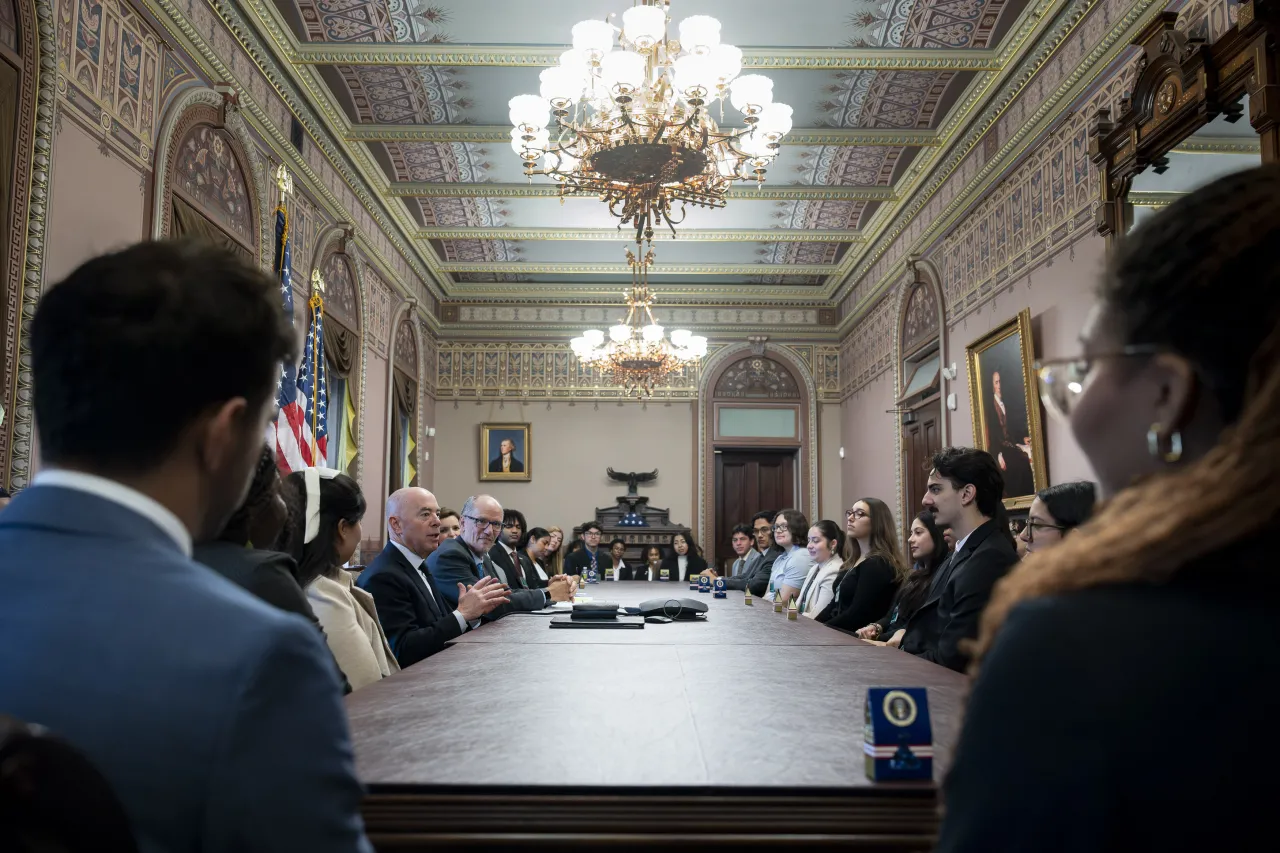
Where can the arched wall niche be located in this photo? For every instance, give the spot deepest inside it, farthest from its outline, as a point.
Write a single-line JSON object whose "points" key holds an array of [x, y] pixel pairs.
{"points": [[921, 330], [204, 157], [29, 50], [344, 328], [725, 374], [404, 390]]}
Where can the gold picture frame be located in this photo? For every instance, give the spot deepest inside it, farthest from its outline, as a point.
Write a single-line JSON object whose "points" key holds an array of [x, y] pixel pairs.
{"points": [[518, 468], [998, 427]]}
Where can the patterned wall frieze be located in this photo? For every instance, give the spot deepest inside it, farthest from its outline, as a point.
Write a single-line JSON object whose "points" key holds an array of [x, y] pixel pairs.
{"points": [[109, 74], [868, 352], [560, 315], [378, 310], [232, 52], [501, 370], [1089, 35], [33, 162]]}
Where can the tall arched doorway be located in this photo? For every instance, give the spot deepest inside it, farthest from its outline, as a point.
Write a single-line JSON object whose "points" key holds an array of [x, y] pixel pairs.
{"points": [[920, 351]]}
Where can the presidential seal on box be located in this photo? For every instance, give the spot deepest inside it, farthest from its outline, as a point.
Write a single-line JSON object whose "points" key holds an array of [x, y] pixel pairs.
{"points": [[898, 738]]}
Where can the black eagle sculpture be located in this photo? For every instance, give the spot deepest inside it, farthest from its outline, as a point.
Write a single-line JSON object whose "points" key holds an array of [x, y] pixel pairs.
{"points": [[633, 478]]}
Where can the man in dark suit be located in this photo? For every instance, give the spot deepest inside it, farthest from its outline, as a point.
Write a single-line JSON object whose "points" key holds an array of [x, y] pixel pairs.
{"points": [[505, 553], [1006, 430], [757, 574], [506, 462], [964, 492], [216, 718], [414, 615], [465, 560], [579, 561]]}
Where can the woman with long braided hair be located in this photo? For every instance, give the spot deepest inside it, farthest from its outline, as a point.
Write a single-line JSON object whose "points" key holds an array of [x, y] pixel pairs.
{"points": [[1109, 712]]}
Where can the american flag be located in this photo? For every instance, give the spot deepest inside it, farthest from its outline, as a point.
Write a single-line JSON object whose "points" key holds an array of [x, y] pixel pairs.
{"points": [[290, 433]]}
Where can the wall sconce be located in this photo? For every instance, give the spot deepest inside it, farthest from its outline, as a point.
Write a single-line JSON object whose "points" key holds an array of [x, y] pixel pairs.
{"points": [[431, 432], [949, 373], [842, 453]]}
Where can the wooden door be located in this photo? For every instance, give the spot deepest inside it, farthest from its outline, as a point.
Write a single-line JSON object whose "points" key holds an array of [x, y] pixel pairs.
{"points": [[920, 440], [747, 482]]}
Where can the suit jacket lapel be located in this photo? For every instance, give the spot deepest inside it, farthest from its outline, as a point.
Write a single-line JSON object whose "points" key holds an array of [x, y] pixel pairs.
{"points": [[489, 569], [416, 579]]}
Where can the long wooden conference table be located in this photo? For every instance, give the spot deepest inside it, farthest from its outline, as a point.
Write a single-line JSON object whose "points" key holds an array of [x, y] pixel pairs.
{"points": [[743, 730]]}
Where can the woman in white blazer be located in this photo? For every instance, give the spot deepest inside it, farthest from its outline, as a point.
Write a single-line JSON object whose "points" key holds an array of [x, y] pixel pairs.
{"points": [[333, 507], [826, 541]]}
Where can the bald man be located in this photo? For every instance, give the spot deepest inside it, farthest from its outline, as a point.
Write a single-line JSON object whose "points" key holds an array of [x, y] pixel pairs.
{"points": [[465, 560], [415, 614]]}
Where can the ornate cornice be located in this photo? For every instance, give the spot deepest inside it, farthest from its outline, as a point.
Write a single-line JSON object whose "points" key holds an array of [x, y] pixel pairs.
{"points": [[768, 192], [807, 136], [1218, 145], [1139, 198], [1048, 110], [171, 17], [543, 56], [658, 269], [608, 235]]}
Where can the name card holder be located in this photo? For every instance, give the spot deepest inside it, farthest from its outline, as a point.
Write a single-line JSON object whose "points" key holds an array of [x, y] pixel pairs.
{"points": [[720, 589], [898, 737], [592, 577], [704, 584], [664, 574]]}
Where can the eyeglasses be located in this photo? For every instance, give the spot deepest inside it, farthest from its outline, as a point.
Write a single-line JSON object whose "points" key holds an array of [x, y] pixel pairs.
{"points": [[1032, 526], [592, 533], [484, 523], [778, 527], [856, 513], [1063, 380], [759, 530]]}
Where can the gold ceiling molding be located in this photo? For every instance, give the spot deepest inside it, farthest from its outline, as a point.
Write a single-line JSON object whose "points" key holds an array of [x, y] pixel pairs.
{"points": [[1049, 110], [1139, 198], [682, 292], [542, 56], [792, 192], [806, 136], [1218, 145], [743, 235], [1022, 54], [169, 15], [527, 268]]}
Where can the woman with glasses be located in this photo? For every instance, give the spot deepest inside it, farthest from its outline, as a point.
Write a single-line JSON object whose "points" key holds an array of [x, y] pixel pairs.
{"points": [[1101, 717], [928, 549], [790, 532], [874, 571], [1054, 512]]}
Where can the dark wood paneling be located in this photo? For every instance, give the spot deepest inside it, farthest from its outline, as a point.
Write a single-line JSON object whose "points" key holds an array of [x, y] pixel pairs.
{"points": [[920, 440], [746, 482]]}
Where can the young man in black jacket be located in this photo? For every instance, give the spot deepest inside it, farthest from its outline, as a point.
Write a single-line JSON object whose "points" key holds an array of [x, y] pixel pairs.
{"points": [[964, 492]]}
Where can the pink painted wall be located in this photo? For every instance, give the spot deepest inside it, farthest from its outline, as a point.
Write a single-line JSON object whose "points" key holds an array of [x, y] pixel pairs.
{"points": [[1059, 294], [427, 472], [830, 474], [868, 430], [373, 476], [97, 203]]}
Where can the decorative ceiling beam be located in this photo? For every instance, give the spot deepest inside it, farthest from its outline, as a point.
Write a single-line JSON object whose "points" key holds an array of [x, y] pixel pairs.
{"points": [[692, 235], [544, 56], [658, 268], [1139, 198], [769, 192], [812, 136], [1218, 145]]}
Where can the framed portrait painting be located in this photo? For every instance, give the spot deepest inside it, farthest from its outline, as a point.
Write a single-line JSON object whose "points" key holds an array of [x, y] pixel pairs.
{"points": [[506, 452], [1006, 407]]}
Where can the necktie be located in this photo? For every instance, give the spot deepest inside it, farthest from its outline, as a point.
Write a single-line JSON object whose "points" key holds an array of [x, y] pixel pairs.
{"points": [[594, 567]]}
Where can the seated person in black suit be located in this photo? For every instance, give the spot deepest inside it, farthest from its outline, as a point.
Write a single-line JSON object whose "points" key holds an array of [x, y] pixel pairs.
{"points": [[465, 560], [684, 561], [617, 550], [590, 555], [505, 553], [652, 570], [965, 491], [756, 574], [534, 550], [415, 616]]}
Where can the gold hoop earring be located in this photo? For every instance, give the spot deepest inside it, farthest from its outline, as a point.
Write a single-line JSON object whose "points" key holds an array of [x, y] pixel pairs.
{"points": [[1174, 453]]}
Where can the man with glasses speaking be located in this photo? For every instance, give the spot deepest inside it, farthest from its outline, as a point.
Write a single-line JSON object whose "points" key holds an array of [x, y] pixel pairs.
{"points": [[466, 560]]}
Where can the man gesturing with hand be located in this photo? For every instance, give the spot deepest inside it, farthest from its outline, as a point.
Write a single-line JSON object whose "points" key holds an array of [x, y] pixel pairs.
{"points": [[417, 616]]}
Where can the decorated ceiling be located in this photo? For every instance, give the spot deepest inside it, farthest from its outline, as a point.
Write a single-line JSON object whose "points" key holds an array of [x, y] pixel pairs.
{"points": [[424, 87]]}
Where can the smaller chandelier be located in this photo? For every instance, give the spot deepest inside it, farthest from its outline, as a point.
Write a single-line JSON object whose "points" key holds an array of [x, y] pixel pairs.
{"points": [[632, 125], [637, 355]]}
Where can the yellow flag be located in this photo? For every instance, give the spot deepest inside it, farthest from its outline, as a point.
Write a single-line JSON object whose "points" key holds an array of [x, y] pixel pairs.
{"points": [[409, 471], [350, 444]]}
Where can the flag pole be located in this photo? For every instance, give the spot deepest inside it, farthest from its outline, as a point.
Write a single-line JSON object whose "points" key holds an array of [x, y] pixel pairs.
{"points": [[316, 303]]}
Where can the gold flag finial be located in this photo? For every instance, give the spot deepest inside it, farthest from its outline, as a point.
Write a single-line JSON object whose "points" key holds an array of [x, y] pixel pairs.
{"points": [[284, 181], [317, 281]]}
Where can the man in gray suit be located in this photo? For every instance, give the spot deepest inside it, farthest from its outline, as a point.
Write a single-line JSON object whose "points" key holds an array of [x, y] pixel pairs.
{"points": [[755, 575], [465, 560]]}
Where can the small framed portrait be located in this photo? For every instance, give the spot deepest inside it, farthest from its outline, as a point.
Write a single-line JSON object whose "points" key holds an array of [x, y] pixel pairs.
{"points": [[1006, 408], [506, 452]]}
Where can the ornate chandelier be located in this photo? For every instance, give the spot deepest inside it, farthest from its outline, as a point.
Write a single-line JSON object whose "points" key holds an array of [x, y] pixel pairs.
{"points": [[637, 355], [633, 125]]}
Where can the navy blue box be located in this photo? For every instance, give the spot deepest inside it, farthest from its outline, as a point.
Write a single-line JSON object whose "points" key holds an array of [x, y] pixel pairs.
{"points": [[898, 737], [720, 588]]}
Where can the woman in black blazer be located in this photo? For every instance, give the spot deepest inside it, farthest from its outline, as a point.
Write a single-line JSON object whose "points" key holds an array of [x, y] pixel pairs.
{"points": [[684, 560], [928, 550], [865, 588], [1107, 714]]}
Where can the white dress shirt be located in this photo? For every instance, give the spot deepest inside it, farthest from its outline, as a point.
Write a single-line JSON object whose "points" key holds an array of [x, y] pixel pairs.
{"points": [[118, 493], [416, 562]]}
